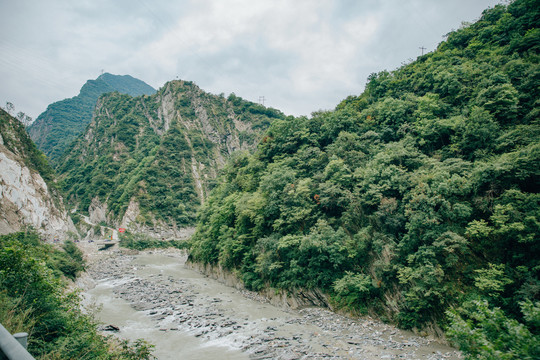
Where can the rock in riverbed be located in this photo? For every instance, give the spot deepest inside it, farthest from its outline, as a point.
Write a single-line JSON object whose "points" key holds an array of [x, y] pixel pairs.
{"points": [[193, 305]]}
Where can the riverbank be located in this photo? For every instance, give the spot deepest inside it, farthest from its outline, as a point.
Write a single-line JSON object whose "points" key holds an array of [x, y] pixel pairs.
{"points": [[180, 303]]}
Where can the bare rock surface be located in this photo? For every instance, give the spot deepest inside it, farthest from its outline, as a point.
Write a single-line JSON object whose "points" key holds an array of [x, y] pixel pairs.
{"points": [[25, 199], [177, 299]]}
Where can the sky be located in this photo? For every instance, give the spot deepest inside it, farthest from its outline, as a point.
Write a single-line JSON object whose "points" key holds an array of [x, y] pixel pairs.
{"points": [[300, 55]]}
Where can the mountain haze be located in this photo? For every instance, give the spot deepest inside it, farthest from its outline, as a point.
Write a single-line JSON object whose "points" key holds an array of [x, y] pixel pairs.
{"points": [[63, 121], [148, 162]]}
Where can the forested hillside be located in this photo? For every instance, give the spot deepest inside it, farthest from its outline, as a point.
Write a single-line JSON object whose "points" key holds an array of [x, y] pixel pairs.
{"points": [[63, 121], [15, 138], [416, 200], [150, 161]]}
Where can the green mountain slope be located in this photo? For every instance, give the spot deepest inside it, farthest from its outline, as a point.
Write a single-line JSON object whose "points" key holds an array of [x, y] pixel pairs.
{"points": [[64, 120], [148, 162], [16, 140], [413, 198]]}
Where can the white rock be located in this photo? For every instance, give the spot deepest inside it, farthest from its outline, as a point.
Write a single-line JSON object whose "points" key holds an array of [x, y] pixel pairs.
{"points": [[26, 200]]}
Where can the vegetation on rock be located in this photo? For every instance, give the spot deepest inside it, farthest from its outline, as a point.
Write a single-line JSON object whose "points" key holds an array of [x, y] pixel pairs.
{"points": [[58, 126], [143, 242], [16, 139], [417, 200], [159, 153]]}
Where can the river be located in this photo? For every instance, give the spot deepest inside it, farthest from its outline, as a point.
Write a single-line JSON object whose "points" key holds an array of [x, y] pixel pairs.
{"points": [[186, 315]]}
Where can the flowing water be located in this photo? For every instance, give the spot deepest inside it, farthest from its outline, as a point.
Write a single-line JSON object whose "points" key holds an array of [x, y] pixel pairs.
{"points": [[189, 316]]}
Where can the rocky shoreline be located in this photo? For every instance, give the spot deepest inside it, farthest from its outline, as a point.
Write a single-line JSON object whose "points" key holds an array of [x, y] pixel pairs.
{"points": [[176, 304]]}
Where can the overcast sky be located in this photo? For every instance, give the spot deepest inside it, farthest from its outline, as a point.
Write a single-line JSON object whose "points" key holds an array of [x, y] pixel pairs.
{"points": [[301, 55]]}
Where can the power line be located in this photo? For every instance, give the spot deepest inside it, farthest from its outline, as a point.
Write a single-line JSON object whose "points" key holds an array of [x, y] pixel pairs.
{"points": [[261, 100], [422, 48]]}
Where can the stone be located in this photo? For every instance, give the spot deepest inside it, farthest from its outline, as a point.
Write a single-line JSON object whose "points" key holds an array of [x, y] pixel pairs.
{"points": [[109, 327]]}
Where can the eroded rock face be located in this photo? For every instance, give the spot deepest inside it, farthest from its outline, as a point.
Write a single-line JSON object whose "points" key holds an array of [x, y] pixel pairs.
{"points": [[131, 213], [97, 211], [295, 299], [161, 158], [25, 199]]}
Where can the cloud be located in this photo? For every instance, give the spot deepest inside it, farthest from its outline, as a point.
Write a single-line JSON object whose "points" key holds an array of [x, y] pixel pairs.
{"points": [[301, 45], [301, 55]]}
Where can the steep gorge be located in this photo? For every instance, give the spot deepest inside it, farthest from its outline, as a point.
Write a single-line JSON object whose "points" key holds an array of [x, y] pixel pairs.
{"points": [[28, 196]]}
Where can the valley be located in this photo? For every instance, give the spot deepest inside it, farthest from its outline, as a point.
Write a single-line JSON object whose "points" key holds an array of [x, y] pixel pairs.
{"points": [[185, 314]]}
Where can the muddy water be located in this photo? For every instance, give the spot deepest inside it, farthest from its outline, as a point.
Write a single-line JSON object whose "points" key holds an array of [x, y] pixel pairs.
{"points": [[136, 324], [189, 316]]}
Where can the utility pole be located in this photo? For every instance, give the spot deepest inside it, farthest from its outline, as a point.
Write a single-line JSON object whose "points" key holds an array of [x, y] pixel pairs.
{"points": [[261, 100], [422, 48]]}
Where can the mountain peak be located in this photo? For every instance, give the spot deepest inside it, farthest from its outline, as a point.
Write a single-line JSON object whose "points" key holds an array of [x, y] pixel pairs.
{"points": [[64, 120], [153, 160]]}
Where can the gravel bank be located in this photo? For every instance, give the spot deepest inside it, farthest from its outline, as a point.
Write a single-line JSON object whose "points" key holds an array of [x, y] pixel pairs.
{"points": [[243, 320]]}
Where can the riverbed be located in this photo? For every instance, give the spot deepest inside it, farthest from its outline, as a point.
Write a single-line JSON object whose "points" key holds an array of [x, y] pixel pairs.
{"points": [[186, 315]]}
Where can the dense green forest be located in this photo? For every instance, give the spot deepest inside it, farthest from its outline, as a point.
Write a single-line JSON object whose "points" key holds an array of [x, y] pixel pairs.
{"points": [[55, 129], [34, 299], [161, 152], [416, 200]]}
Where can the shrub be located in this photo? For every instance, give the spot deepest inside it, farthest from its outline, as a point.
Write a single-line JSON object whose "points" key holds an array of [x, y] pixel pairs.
{"points": [[483, 332], [354, 290], [33, 298], [142, 242]]}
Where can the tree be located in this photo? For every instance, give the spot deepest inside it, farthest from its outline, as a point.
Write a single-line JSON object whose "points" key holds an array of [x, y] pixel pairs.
{"points": [[27, 120], [9, 107], [24, 119]]}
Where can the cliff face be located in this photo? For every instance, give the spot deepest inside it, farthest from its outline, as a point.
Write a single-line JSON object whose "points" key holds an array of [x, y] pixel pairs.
{"points": [[147, 163], [25, 197]]}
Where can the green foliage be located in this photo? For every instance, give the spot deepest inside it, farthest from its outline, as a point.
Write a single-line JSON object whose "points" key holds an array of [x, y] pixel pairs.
{"points": [[34, 299], [164, 162], [74, 262], [492, 280], [18, 142], [142, 242], [56, 128], [483, 332], [354, 290], [413, 198]]}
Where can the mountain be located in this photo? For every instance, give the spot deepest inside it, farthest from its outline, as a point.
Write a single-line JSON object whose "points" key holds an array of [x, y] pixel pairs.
{"points": [[148, 162], [64, 120], [28, 194], [416, 200]]}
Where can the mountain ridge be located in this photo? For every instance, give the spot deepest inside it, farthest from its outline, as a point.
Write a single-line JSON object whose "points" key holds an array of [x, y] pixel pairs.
{"points": [[28, 192], [64, 120]]}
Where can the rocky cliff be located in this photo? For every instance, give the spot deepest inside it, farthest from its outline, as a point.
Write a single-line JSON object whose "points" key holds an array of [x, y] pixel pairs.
{"points": [[26, 198], [148, 162], [64, 120]]}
